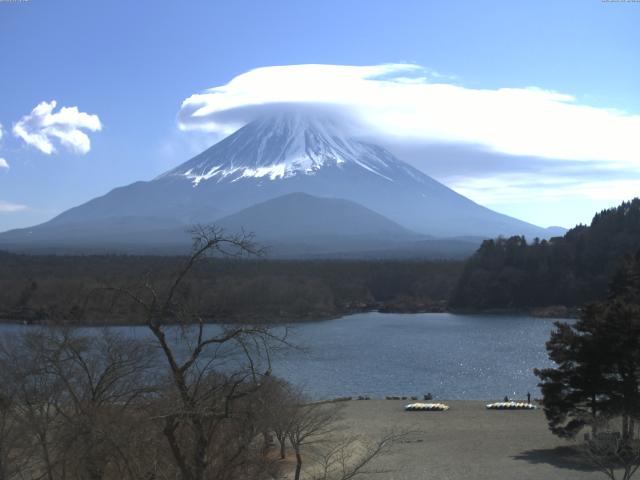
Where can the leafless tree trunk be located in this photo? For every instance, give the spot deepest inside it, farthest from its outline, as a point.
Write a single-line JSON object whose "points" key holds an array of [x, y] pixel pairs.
{"points": [[282, 442], [351, 457], [204, 389], [74, 399], [310, 423], [34, 403], [9, 432]]}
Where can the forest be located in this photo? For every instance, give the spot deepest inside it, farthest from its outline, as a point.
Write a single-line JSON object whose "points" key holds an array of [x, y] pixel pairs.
{"points": [[55, 289], [510, 273]]}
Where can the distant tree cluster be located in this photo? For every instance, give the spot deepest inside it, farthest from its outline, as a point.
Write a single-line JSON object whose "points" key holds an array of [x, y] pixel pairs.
{"points": [[37, 288], [509, 273]]}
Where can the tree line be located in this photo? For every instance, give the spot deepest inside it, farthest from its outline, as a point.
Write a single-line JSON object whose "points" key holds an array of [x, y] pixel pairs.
{"points": [[511, 273], [55, 288]]}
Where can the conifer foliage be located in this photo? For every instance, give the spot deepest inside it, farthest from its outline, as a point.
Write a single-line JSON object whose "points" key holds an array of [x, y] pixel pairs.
{"points": [[596, 382], [513, 273]]}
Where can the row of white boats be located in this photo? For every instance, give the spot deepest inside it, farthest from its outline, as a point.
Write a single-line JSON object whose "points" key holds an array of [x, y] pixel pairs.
{"points": [[441, 407]]}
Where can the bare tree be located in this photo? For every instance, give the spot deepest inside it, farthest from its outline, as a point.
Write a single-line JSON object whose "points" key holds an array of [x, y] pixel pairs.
{"points": [[278, 403], [212, 371], [34, 407], [77, 399], [11, 462], [310, 424], [611, 451], [105, 379], [352, 457], [314, 429]]}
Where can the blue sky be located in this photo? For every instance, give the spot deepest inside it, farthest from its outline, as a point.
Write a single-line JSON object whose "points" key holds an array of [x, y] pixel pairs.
{"points": [[132, 64]]}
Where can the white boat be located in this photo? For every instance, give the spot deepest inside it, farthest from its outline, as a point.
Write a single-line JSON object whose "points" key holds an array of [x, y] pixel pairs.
{"points": [[426, 407]]}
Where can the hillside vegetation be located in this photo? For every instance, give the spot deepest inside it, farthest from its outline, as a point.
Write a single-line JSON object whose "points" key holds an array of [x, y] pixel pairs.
{"points": [[509, 273], [55, 288]]}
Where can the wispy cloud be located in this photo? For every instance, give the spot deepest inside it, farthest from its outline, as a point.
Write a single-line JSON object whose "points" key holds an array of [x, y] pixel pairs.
{"points": [[508, 188], [7, 207], [66, 125]]}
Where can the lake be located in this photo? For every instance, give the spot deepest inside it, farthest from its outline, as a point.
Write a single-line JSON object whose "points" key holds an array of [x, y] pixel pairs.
{"points": [[377, 354], [450, 356]]}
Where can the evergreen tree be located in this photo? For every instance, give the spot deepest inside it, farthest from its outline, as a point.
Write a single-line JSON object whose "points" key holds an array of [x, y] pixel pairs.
{"points": [[509, 273], [597, 378]]}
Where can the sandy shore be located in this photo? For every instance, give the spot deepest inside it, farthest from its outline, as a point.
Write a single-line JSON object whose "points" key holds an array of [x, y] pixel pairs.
{"points": [[468, 442]]}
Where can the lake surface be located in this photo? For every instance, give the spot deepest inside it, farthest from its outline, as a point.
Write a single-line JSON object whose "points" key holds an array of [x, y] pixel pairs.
{"points": [[450, 356], [379, 354]]}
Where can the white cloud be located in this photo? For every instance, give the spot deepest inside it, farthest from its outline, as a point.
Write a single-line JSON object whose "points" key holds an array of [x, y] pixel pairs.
{"points": [[42, 125], [409, 103], [4, 165], [6, 207], [500, 147]]}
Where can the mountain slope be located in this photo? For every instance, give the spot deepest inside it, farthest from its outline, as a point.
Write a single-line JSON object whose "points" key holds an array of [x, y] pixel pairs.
{"points": [[299, 224], [269, 158], [299, 215]]}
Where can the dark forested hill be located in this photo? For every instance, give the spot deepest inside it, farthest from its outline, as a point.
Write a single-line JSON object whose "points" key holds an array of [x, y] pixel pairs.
{"points": [[54, 288], [570, 270]]}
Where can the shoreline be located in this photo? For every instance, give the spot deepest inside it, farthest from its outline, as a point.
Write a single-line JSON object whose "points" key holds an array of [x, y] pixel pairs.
{"points": [[558, 312], [409, 399]]}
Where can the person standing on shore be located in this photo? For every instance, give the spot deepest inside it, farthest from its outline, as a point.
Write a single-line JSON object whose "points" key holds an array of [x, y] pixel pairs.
{"points": [[528, 397]]}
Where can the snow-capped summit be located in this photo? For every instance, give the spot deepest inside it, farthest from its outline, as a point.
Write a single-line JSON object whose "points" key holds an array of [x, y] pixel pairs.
{"points": [[272, 158], [282, 146]]}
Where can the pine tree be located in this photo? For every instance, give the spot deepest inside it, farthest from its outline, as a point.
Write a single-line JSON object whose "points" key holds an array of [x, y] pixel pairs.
{"points": [[597, 377]]}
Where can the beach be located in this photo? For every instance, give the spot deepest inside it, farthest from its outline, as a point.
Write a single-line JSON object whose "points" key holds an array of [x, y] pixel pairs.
{"points": [[467, 442]]}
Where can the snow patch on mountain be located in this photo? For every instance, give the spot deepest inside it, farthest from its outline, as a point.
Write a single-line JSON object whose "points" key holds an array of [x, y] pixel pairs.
{"points": [[284, 146]]}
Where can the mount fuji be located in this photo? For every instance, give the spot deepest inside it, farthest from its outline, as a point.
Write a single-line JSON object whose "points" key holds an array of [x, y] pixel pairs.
{"points": [[249, 180]]}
